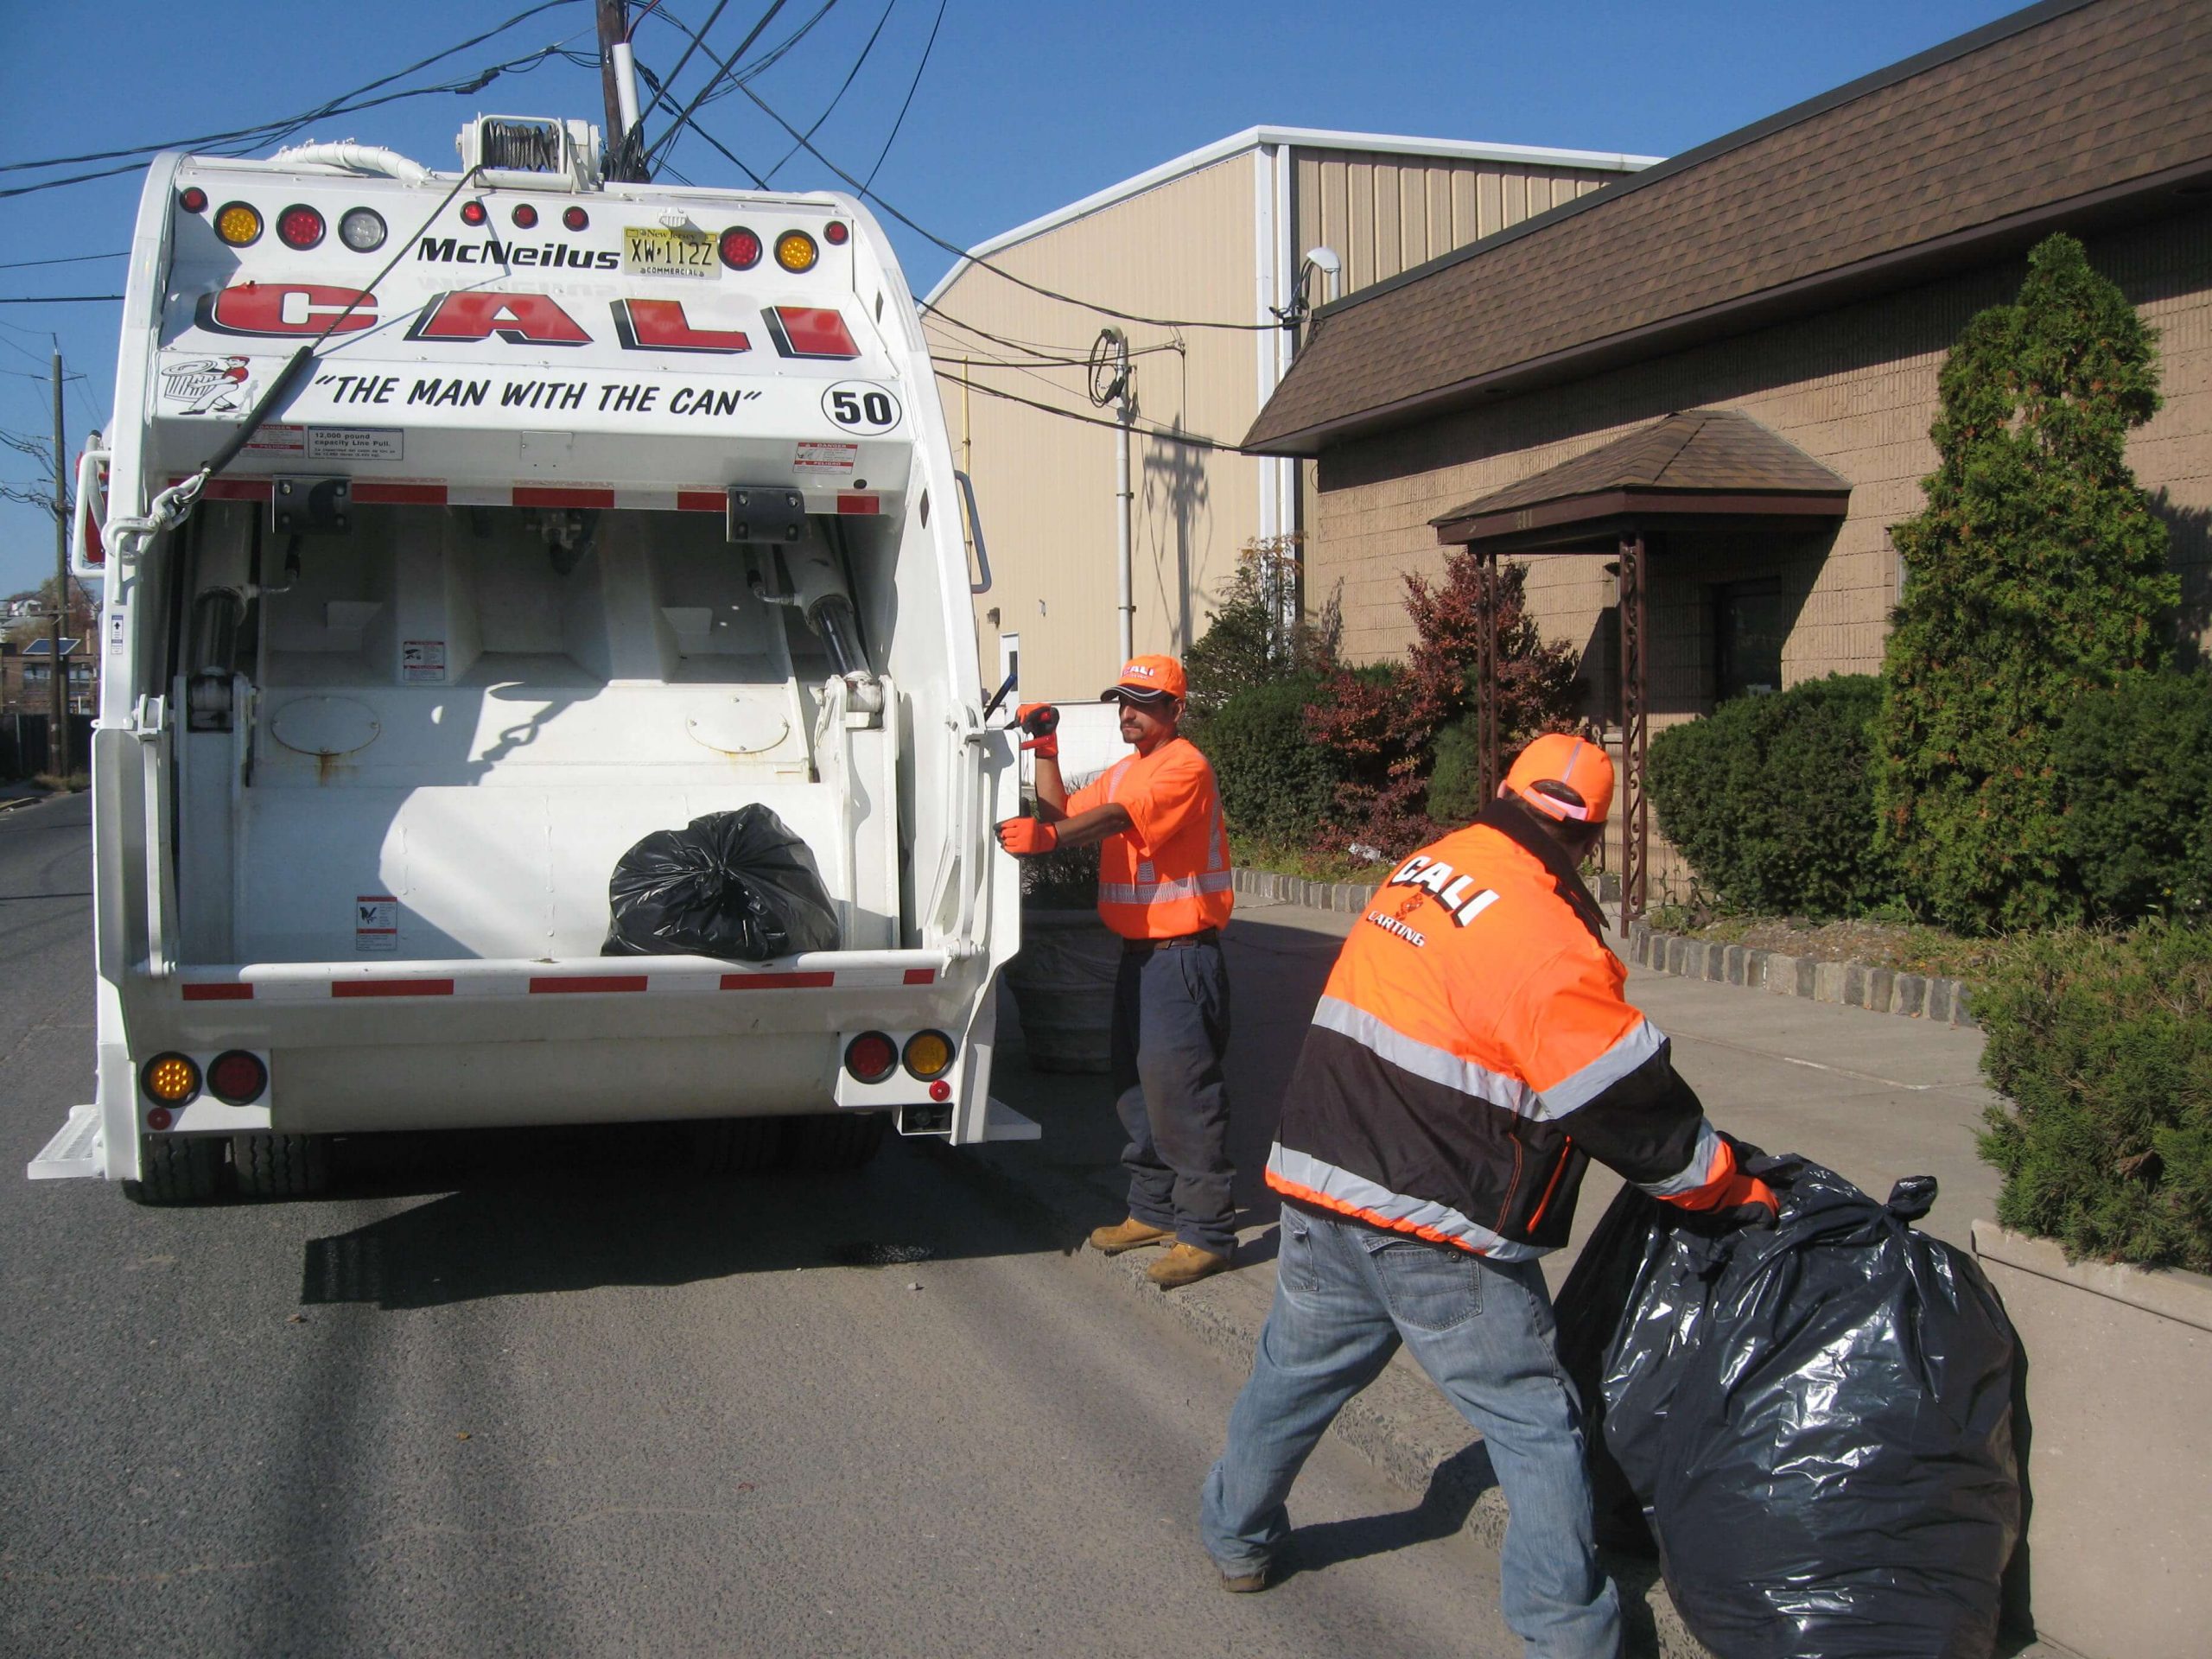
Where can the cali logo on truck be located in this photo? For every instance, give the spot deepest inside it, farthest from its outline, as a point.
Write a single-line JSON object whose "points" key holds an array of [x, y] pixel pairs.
{"points": [[860, 407]]}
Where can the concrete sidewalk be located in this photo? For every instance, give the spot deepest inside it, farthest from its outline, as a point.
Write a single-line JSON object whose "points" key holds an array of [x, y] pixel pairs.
{"points": [[1873, 1096]]}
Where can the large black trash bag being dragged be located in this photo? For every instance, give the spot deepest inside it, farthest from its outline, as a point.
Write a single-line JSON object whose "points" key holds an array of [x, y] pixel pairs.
{"points": [[735, 884], [1816, 1418]]}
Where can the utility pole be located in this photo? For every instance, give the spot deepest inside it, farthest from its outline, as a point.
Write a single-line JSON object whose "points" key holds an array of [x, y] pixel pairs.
{"points": [[57, 756], [618, 83]]}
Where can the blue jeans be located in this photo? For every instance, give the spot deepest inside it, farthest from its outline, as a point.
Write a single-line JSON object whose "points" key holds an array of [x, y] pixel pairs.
{"points": [[1345, 1297], [1170, 1031]]}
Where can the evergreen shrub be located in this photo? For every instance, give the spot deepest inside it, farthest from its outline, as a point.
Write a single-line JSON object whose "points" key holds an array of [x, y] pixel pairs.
{"points": [[2134, 770], [2037, 573], [1275, 782], [1771, 799], [2103, 1044]]}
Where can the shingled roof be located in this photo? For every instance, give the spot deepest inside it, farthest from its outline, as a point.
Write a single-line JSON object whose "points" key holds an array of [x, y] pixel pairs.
{"points": [[1964, 153], [1701, 461]]}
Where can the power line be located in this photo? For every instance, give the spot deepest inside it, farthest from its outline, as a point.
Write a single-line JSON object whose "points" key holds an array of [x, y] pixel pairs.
{"points": [[1073, 356], [330, 108], [912, 85], [1188, 439], [56, 299], [1008, 276], [72, 259], [850, 75], [683, 116]]}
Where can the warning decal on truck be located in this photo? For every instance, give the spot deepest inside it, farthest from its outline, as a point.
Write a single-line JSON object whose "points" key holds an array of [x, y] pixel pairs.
{"points": [[376, 924], [423, 661]]}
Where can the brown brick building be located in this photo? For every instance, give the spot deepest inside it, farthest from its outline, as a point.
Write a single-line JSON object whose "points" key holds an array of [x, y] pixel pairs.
{"points": [[1809, 273]]}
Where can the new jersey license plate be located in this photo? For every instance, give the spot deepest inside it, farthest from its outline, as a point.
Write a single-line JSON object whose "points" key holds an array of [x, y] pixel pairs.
{"points": [[657, 250]]}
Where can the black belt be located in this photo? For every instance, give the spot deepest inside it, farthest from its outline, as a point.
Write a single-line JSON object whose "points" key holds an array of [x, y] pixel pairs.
{"points": [[1143, 947]]}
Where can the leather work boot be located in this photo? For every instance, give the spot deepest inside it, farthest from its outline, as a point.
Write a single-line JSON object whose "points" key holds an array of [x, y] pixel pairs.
{"points": [[1245, 1584], [1184, 1265], [1130, 1234]]}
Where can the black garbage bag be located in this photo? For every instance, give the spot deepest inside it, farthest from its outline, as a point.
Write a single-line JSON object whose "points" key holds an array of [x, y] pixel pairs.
{"points": [[1816, 1418], [735, 884]]}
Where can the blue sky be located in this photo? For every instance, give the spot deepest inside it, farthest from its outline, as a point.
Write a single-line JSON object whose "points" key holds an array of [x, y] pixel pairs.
{"points": [[1022, 106]]}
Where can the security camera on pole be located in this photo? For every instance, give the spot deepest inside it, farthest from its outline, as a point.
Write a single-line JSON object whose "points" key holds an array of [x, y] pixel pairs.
{"points": [[1112, 378]]}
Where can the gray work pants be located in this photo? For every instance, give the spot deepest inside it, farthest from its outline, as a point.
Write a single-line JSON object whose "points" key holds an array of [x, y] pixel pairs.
{"points": [[1171, 1033]]}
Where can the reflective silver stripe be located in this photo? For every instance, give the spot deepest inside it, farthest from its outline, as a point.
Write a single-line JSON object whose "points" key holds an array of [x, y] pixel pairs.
{"points": [[1637, 1045], [1340, 1187], [1426, 1060], [1695, 1173], [1154, 893]]}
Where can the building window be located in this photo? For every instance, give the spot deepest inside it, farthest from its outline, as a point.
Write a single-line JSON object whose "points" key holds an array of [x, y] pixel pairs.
{"points": [[1750, 620]]}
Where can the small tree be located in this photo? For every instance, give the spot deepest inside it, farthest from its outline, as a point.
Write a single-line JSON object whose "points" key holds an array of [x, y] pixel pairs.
{"points": [[1386, 723], [2037, 572], [1257, 637]]}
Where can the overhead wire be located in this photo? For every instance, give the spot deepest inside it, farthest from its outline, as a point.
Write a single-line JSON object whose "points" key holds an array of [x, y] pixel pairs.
{"points": [[1190, 439], [684, 118], [69, 259], [55, 299], [341, 105], [912, 85], [846, 85]]}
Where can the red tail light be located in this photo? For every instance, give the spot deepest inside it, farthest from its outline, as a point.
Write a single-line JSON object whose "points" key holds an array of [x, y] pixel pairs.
{"points": [[237, 1078], [298, 227], [741, 249], [526, 216], [576, 219], [871, 1057], [193, 199], [474, 212], [835, 233]]}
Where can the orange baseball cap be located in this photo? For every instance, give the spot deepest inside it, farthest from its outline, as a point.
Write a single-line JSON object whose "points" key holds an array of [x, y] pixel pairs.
{"points": [[1575, 767], [1147, 677]]}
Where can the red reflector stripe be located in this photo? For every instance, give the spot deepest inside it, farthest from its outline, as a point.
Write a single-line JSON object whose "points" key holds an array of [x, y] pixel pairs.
{"points": [[809, 331], [701, 501], [776, 981], [370, 491], [392, 987], [921, 975], [869, 503], [235, 489], [588, 983], [218, 992], [536, 495]]}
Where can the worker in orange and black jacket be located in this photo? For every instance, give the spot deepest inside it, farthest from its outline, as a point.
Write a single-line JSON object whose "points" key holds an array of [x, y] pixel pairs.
{"points": [[1472, 1051], [1164, 885]]}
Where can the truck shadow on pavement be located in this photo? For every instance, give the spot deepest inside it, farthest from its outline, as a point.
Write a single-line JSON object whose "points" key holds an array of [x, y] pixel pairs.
{"points": [[567, 1221]]}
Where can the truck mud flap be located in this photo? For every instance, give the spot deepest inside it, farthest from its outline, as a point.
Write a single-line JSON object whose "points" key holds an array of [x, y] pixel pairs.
{"points": [[74, 1154], [1002, 1122]]}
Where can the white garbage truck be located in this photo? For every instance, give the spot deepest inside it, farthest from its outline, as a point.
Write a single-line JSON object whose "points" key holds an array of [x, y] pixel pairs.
{"points": [[458, 530]]}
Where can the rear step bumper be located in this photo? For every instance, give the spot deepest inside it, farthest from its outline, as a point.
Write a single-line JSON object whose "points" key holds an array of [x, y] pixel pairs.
{"points": [[74, 1154]]}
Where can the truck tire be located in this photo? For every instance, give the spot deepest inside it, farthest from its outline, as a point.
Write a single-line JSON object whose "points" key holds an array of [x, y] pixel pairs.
{"points": [[282, 1165], [735, 1146], [177, 1169], [834, 1144]]}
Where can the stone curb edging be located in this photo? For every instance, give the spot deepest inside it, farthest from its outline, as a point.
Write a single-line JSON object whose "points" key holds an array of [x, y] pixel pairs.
{"points": [[1846, 984]]}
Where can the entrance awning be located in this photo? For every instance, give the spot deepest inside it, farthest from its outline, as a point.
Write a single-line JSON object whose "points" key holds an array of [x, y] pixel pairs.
{"points": [[1700, 470]]}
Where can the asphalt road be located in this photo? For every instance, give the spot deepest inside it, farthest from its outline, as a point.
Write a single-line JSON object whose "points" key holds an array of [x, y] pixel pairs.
{"points": [[525, 1395]]}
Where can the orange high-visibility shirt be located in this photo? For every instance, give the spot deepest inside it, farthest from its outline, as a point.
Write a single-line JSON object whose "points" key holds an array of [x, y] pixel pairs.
{"points": [[1168, 872]]}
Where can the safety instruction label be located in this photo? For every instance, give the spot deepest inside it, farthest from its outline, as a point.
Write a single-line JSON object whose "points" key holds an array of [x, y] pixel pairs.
{"points": [[376, 924], [274, 440], [423, 661], [355, 443], [826, 457], [119, 628]]}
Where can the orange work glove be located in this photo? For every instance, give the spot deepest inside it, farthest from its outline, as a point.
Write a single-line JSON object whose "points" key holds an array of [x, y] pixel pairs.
{"points": [[1745, 1200], [1027, 838], [1042, 722]]}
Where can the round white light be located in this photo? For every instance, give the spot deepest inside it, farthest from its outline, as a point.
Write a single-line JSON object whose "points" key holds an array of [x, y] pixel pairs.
{"points": [[361, 230]]}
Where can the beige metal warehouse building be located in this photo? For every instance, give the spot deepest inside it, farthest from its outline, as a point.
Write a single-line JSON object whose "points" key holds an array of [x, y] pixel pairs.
{"points": [[1218, 236]]}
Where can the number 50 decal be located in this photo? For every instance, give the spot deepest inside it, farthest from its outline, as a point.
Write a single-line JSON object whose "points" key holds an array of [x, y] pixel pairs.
{"points": [[859, 407]]}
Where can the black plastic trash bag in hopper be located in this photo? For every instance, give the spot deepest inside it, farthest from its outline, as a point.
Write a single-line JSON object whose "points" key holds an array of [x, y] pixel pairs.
{"points": [[1815, 1418], [735, 884]]}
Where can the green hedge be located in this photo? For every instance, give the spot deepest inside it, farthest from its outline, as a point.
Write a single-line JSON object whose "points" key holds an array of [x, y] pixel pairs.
{"points": [[2103, 1043], [1771, 799], [1276, 782], [2135, 788]]}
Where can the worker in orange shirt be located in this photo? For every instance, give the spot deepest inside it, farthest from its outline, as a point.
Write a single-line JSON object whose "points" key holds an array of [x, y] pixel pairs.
{"points": [[1164, 887], [1472, 1051]]}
